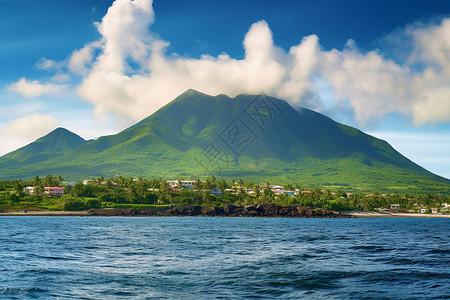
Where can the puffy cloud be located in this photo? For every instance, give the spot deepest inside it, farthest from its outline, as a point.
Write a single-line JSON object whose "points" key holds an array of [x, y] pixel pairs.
{"points": [[31, 89], [81, 59], [48, 64], [373, 86], [31, 126], [128, 72], [370, 84], [21, 131]]}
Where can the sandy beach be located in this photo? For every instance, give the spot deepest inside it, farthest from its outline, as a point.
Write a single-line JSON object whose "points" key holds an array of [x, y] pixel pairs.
{"points": [[45, 213], [369, 214]]}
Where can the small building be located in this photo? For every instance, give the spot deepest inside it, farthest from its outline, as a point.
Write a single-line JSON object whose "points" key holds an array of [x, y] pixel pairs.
{"points": [[395, 206], [29, 190], [173, 183], [422, 210], [216, 192], [87, 181], [188, 184], [289, 193], [249, 191], [277, 188], [232, 191], [434, 211], [54, 191]]}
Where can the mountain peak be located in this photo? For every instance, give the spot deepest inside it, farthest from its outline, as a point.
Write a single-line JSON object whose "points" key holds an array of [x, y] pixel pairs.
{"points": [[60, 140], [255, 137], [59, 130], [192, 92]]}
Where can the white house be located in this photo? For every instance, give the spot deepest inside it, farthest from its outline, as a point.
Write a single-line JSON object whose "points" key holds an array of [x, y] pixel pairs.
{"points": [[172, 183], [29, 190], [188, 183], [250, 191], [184, 183], [277, 188], [395, 206], [232, 191]]}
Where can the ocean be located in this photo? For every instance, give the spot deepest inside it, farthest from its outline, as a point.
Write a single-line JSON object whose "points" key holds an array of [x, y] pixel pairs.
{"points": [[225, 258]]}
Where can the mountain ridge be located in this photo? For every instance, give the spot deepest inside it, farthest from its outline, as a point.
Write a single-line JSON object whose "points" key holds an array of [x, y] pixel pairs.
{"points": [[256, 137]]}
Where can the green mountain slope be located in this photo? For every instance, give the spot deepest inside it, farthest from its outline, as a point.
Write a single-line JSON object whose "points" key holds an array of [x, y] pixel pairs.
{"points": [[256, 138], [56, 143]]}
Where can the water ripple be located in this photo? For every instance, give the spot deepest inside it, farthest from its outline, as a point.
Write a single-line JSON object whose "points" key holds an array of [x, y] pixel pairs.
{"points": [[222, 258]]}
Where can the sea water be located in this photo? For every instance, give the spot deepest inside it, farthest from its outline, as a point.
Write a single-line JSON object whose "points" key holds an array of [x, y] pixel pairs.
{"points": [[207, 258]]}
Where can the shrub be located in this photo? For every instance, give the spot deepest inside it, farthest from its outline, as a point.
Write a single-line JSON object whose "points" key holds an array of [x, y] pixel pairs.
{"points": [[72, 203], [93, 203]]}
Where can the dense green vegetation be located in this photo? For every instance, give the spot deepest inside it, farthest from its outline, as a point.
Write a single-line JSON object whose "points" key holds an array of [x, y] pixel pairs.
{"points": [[121, 192], [188, 139]]}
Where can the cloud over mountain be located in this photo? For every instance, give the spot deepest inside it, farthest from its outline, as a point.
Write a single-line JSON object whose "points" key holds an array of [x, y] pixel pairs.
{"points": [[24, 130], [130, 73]]}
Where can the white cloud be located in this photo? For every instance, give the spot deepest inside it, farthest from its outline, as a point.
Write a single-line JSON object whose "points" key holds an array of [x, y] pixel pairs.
{"points": [[47, 64], [373, 86], [128, 72], [81, 59], [32, 89], [21, 131], [61, 77]]}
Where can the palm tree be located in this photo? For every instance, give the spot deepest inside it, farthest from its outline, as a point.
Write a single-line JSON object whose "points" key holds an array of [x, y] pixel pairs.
{"points": [[241, 183], [18, 186], [223, 185], [198, 184], [37, 181], [289, 187], [256, 190], [60, 180], [48, 181]]}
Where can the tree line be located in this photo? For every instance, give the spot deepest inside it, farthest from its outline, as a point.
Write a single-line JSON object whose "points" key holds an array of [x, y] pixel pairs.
{"points": [[111, 192]]}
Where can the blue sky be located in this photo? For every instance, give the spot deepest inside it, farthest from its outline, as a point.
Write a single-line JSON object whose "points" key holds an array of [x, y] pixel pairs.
{"points": [[381, 66]]}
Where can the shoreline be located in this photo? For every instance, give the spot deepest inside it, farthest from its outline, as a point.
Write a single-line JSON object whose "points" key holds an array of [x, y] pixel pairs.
{"points": [[181, 211], [370, 214]]}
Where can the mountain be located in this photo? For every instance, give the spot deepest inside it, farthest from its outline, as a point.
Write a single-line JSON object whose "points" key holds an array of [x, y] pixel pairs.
{"points": [[56, 143], [254, 137]]}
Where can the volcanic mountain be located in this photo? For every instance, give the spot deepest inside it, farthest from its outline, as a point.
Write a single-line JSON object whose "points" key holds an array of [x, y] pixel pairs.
{"points": [[253, 137]]}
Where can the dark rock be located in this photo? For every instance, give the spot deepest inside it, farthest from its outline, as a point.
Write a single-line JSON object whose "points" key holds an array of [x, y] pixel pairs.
{"points": [[261, 210], [208, 211]]}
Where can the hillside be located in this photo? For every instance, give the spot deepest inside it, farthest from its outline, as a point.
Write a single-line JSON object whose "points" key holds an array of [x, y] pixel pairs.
{"points": [[56, 143], [256, 138]]}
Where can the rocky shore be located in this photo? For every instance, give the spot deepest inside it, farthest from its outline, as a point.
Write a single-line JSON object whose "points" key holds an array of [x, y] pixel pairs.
{"points": [[265, 210]]}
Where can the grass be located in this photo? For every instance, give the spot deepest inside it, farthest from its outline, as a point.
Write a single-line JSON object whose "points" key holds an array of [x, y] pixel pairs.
{"points": [[135, 206]]}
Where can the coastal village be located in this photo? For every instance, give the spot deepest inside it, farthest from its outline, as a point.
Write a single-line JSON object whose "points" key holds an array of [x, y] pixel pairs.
{"points": [[280, 194]]}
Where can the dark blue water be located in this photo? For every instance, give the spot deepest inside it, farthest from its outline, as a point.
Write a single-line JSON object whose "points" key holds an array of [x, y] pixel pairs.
{"points": [[204, 258]]}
